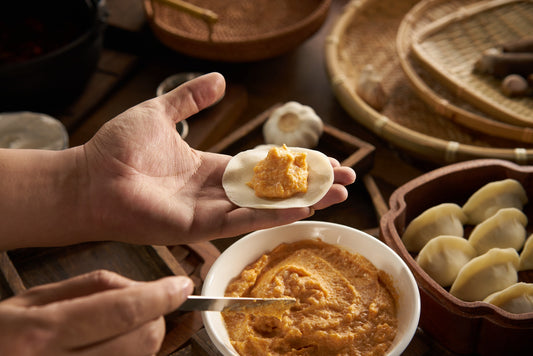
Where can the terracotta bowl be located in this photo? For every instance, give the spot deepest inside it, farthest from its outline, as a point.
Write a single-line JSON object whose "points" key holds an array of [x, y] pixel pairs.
{"points": [[246, 31], [463, 327]]}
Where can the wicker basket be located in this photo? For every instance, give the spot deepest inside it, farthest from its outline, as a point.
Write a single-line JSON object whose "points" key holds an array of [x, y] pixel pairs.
{"points": [[366, 33], [450, 46], [444, 101], [245, 30]]}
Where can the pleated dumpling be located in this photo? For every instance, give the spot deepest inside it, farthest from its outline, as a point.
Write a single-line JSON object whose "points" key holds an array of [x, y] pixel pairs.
{"points": [[518, 298], [443, 257], [506, 228], [526, 256], [493, 196], [491, 272], [442, 219]]}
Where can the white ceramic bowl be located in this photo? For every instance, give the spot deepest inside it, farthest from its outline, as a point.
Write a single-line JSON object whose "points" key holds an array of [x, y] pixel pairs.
{"points": [[246, 250]]}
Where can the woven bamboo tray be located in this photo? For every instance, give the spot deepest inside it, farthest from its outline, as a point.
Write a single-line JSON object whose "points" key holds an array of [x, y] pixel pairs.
{"points": [[244, 30], [450, 46], [448, 103], [366, 33]]}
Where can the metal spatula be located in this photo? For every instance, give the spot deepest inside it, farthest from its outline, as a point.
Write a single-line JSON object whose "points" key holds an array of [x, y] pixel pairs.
{"points": [[197, 302]]}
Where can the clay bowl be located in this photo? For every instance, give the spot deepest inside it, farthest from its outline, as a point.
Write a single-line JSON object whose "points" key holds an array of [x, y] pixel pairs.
{"points": [[249, 248], [462, 327], [245, 31]]}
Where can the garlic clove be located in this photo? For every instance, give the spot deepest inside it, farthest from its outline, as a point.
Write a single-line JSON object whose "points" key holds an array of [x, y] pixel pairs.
{"points": [[370, 88]]}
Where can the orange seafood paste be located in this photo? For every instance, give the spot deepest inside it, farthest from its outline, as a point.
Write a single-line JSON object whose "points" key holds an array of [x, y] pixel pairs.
{"points": [[344, 304], [281, 174]]}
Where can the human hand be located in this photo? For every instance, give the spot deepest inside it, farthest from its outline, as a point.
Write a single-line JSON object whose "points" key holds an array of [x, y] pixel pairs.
{"points": [[144, 184], [99, 313]]}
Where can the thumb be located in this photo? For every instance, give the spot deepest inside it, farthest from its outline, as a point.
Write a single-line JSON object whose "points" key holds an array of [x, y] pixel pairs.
{"points": [[195, 95]]}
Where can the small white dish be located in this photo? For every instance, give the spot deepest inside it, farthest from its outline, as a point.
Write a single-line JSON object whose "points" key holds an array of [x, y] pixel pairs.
{"points": [[31, 130], [249, 248]]}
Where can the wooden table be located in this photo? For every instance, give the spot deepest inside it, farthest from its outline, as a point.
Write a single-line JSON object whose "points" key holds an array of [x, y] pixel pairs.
{"points": [[132, 66]]}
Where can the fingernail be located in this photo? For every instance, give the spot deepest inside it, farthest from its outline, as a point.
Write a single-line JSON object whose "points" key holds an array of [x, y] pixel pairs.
{"points": [[182, 286], [311, 212], [187, 286]]}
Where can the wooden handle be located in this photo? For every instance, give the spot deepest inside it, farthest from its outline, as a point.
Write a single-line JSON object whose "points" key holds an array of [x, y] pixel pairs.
{"points": [[204, 14], [521, 45]]}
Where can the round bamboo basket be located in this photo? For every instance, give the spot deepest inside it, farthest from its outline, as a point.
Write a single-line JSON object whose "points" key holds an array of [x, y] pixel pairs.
{"points": [[236, 31], [443, 100], [366, 34], [449, 47]]}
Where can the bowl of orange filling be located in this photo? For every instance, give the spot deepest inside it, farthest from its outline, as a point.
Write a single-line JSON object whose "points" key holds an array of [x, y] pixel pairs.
{"points": [[354, 295]]}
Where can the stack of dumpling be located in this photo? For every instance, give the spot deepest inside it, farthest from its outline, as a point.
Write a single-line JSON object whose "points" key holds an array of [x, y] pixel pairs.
{"points": [[483, 266]]}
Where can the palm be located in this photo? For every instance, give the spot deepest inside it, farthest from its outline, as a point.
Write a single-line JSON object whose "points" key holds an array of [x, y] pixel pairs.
{"points": [[153, 177], [147, 184]]}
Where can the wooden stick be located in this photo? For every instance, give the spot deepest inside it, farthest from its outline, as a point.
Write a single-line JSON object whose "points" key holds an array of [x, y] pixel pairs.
{"points": [[501, 64], [206, 15], [521, 45], [11, 274]]}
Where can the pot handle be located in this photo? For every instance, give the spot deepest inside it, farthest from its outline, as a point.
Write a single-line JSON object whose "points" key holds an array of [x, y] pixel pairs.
{"points": [[100, 7]]}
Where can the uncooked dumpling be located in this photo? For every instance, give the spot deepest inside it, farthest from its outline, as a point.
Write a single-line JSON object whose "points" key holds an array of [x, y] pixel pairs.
{"points": [[442, 219], [526, 256], [518, 298], [490, 198], [486, 274], [506, 228], [240, 170], [443, 257]]}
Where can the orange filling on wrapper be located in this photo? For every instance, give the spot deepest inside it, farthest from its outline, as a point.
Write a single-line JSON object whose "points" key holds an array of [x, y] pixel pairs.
{"points": [[281, 174]]}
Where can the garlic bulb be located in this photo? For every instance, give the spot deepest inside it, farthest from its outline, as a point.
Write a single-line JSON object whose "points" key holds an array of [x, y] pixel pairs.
{"points": [[293, 124], [370, 88]]}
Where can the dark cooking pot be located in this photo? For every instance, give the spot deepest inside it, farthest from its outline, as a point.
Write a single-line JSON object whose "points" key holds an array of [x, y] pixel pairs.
{"points": [[48, 51]]}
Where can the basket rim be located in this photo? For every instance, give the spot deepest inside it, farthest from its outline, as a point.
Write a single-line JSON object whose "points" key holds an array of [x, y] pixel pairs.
{"points": [[421, 143], [447, 108], [314, 17]]}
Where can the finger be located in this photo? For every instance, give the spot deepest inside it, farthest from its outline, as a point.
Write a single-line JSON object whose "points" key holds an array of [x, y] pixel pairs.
{"points": [[344, 175], [101, 316], [195, 95], [244, 220], [336, 194], [334, 162], [85, 284], [144, 340]]}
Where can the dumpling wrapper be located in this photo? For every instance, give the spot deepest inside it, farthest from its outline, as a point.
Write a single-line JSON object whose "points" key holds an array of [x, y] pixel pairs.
{"points": [[443, 257], [240, 170], [506, 228], [442, 219], [491, 272], [518, 298], [526, 256], [493, 196]]}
